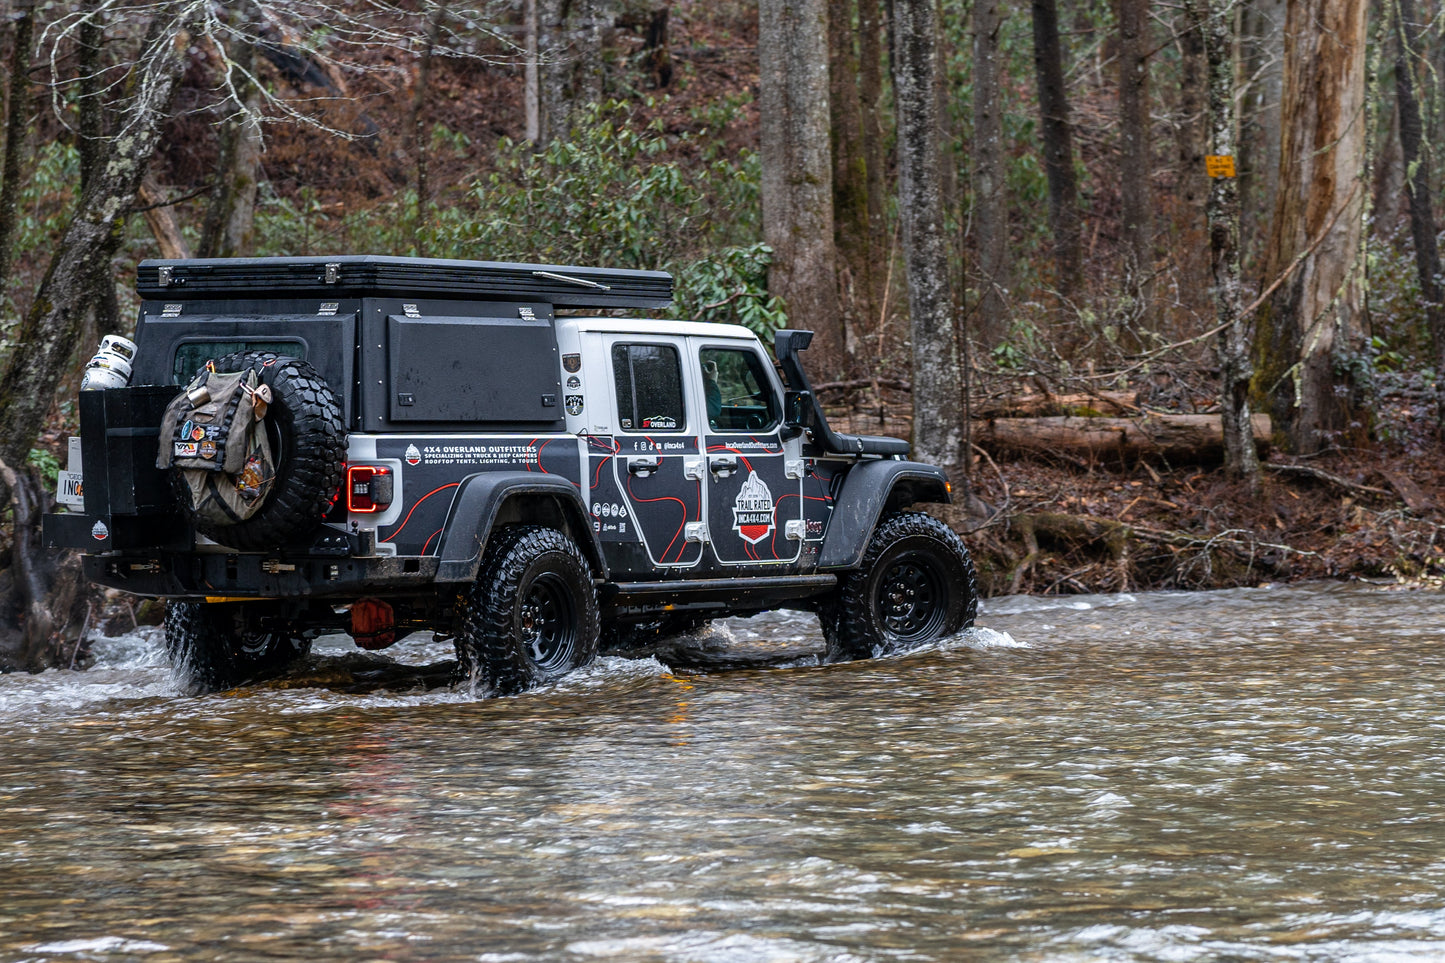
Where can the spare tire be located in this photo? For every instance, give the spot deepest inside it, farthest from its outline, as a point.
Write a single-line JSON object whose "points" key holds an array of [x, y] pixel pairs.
{"points": [[308, 439]]}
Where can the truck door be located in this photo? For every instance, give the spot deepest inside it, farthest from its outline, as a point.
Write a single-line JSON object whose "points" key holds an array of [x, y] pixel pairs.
{"points": [[656, 464], [754, 490]]}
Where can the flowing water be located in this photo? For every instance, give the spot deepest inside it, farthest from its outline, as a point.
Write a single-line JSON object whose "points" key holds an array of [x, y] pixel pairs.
{"points": [[1242, 775]]}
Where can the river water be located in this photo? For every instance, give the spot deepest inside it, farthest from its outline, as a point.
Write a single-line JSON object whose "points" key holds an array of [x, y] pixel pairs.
{"points": [[1243, 775]]}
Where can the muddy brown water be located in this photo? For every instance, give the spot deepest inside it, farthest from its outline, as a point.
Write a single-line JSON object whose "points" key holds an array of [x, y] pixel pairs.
{"points": [[1242, 775]]}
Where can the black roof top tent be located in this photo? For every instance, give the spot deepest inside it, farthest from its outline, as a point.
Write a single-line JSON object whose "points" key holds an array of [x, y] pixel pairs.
{"points": [[376, 275]]}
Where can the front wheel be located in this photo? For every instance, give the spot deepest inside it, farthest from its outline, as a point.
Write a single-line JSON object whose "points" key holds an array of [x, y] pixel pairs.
{"points": [[221, 645], [531, 617], [916, 585]]}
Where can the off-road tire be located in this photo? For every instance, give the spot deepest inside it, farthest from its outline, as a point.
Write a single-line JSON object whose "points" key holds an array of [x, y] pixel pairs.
{"points": [[308, 439], [220, 645], [531, 616], [916, 585]]}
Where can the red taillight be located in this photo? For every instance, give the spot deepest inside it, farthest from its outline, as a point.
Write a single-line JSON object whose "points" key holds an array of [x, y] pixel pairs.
{"points": [[368, 488]]}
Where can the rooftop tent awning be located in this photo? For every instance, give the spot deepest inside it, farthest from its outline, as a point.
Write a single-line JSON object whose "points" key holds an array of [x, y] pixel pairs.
{"points": [[374, 275]]}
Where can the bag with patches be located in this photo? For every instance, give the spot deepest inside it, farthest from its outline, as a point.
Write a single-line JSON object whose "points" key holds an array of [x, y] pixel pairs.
{"points": [[214, 435]]}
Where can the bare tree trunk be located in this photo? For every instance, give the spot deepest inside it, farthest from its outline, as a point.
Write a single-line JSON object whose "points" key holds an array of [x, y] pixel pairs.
{"points": [[1136, 161], [1212, 21], [1315, 320], [592, 65], [420, 141], [1388, 202], [853, 230], [1262, 48], [658, 55], [939, 415], [1192, 255], [1058, 147], [1417, 188], [90, 90], [797, 181], [531, 89], [228, 227], [17, 118], [49, 330], [871, 31], [990, 200], [103, 315], [570, 46], [554, 58]]}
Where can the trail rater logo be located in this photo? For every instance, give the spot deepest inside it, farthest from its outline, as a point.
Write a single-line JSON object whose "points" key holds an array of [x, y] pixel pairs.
{"points": [[753, 510], [413, 455]]}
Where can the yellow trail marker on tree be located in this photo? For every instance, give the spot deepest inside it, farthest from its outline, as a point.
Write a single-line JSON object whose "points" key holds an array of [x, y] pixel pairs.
{"points": [[1219, 165]]}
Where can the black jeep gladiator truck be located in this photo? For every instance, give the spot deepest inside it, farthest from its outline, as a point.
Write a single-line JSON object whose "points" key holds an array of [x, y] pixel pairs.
{"points": [[377, 445]]}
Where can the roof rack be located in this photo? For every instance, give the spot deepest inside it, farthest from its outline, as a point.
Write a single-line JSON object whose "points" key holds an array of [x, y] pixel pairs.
{"points": [[370, 274]]}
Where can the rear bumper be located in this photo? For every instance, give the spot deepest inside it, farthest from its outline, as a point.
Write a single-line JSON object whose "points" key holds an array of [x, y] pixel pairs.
{"points": [[273, 575]]}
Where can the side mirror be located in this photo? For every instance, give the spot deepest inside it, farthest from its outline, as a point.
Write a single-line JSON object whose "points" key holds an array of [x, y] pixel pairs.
{"points": [[797, 406]]}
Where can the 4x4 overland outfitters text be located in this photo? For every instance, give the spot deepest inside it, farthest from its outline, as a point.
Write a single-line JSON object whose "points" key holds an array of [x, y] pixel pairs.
{"points": [[459, 446]]}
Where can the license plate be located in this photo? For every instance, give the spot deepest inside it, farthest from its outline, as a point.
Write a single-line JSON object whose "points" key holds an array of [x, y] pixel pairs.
{"points": [[67, 486], [68, 489]]}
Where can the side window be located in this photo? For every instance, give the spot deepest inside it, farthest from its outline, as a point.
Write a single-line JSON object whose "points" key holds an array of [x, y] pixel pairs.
{"points": [[190, 355], [649, 387], [739, 395]]}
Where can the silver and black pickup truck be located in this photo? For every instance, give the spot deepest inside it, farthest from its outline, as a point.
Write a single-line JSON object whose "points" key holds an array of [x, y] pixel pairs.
{"points": [[473, 448]]}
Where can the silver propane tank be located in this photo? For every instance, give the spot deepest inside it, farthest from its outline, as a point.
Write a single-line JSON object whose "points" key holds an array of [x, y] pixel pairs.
{"points": [[110, 368]]}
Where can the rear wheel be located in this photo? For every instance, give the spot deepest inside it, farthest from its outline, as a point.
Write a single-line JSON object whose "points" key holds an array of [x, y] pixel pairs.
{"points": [[531, 617], [916, 585], [221, 645]]}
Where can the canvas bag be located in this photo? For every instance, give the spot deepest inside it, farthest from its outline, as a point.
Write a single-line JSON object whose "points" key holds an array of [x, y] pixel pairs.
{"points": [[213, 434]]}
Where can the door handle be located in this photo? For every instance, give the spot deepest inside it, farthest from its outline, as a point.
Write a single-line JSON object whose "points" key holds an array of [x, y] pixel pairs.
{"points": [[644, 465], [722, 465]]}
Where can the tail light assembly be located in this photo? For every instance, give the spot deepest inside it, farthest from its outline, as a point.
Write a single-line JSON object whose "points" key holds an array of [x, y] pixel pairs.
{"points": [[369, 488]]}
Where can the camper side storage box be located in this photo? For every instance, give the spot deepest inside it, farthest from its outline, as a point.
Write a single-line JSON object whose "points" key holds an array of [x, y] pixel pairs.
{"points": [[128, 500]]}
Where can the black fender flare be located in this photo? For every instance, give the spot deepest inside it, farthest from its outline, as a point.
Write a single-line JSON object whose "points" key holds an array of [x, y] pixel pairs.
{"points": [[871, 490], [478, 503]]}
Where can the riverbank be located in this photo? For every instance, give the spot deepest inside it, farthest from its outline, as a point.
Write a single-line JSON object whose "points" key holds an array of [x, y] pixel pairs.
{"points": [[1046, 529], [1061, 523]]}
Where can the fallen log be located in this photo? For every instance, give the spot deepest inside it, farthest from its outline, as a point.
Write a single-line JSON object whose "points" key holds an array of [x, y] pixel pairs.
{"points": [[1040, 404], [1177, 438]]}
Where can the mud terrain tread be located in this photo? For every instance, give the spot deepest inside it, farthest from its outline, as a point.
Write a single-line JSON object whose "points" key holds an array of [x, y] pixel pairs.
{"points": [[207, 654], [849, 620], [488, 648], [308, 475]]}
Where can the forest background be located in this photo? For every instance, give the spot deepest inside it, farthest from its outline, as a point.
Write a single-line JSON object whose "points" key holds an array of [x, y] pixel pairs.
{"points": [[1157, 281]]}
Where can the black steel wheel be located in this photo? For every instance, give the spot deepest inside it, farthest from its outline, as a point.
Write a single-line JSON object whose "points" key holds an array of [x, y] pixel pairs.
{"points": [[531, 616], [221, 645], [308, 438], [912, 598], [916, 585]]}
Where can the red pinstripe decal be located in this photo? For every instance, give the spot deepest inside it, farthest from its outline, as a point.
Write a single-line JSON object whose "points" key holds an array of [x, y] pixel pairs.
{"points": [[405, 521]]}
